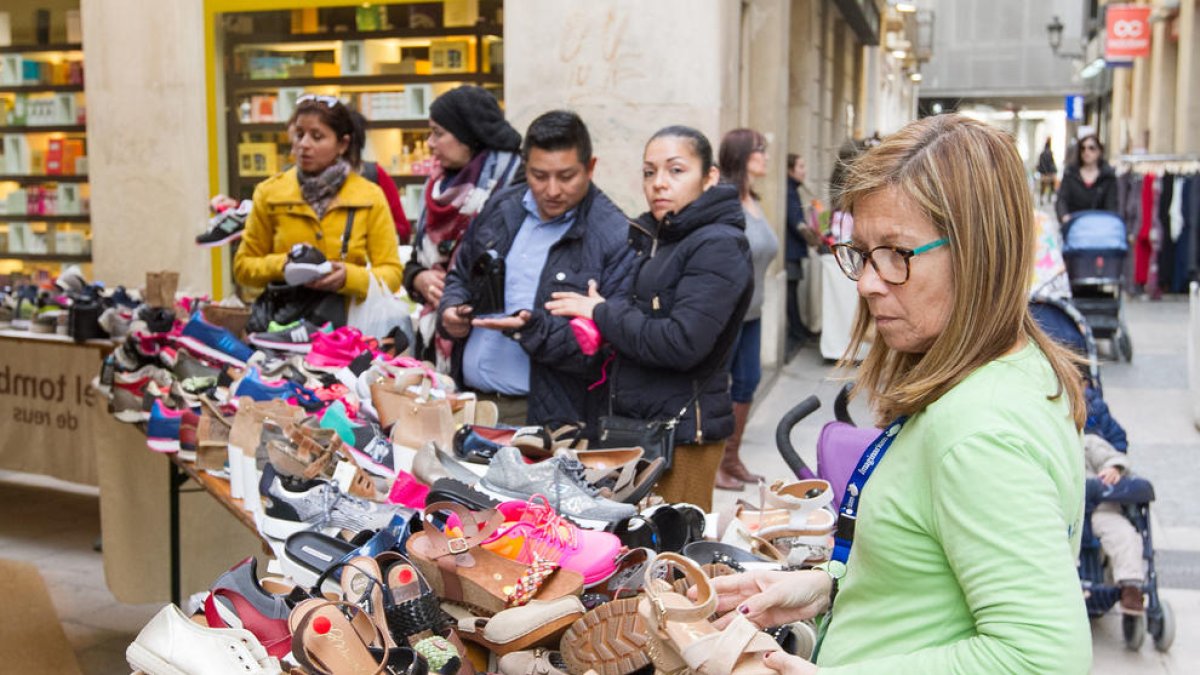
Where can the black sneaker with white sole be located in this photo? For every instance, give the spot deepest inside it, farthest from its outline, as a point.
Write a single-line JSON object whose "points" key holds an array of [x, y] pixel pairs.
{"points": [[305, 264], [226, 226], [297, 338]]}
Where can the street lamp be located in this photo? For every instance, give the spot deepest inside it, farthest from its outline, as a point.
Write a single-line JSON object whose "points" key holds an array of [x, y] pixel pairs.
{"points": [[1054, 32]]}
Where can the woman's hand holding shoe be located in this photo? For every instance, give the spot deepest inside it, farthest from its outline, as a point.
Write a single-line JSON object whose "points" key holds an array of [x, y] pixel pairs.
{"points": [[769, 598], [332, 282]]}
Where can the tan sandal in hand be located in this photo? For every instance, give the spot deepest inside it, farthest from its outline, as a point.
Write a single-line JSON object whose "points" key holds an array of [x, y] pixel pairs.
{"points": [[681, 638]]}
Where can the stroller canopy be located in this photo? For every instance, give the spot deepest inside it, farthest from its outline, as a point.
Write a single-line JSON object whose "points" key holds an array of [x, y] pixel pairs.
{"points": [[1094, 231]]}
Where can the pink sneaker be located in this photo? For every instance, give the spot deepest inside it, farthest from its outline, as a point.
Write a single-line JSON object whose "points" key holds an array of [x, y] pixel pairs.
{"points": [[337, 349], [533, 527], [408, 491]]}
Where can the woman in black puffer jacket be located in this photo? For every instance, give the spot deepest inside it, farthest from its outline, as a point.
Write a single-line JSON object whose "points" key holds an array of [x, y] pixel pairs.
{"points": [[673, 334]]}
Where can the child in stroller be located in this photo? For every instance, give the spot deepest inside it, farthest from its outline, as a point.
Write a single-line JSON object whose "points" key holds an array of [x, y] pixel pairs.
{"points": [[1119, 540]]}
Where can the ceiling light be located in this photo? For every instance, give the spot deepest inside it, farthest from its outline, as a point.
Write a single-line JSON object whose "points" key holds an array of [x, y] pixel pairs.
{"points": [[915, 77], [906, 7]]}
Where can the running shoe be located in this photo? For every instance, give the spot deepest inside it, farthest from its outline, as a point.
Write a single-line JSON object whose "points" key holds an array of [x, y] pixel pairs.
{"points": [[336, 349], [560, 479], [305, 264], [213, 342], [162, 432], [226, 226], [237, 599], [369, 447], [295, 505], [295, 338]]}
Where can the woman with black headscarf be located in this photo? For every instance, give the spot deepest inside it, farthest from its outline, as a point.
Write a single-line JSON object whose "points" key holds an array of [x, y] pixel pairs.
{"points": [[477, 154]]}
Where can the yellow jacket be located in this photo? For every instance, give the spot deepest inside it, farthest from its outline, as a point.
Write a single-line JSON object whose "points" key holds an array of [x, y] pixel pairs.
{"points": [[280, 218]]}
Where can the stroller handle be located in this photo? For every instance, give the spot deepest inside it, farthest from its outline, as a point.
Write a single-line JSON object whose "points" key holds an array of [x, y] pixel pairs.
{"points": [[783, 435]]}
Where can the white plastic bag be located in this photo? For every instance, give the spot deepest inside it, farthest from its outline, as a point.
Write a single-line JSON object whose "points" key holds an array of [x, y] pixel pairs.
{"points": [[380, 311]]}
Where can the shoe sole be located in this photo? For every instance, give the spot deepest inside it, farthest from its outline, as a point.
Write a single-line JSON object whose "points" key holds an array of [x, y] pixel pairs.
{"points": [[164, 445], [131, 416], [294, 347], [298, 274], [146, 661], [281, 529], [610, 640], [200, 349], [221, 242]]}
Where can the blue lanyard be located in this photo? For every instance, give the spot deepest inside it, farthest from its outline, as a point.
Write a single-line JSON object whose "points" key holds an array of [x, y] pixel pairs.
{"points": [[843, 538]]}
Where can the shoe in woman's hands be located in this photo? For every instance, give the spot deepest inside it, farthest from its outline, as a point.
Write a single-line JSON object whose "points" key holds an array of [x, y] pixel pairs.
{"points": [[770, 598]]}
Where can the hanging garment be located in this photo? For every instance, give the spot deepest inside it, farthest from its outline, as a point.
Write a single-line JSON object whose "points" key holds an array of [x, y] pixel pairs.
{"points": [[1192, 216], [1176, 208], [1141, 265], [1165, 247]]}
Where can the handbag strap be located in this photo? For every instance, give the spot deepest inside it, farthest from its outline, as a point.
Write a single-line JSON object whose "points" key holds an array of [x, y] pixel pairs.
{"points": [[346, 232]]}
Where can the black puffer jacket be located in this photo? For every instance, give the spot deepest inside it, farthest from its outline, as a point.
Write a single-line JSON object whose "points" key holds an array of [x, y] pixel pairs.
{"points": [[676, 329], [1074, 195], [595, 247]]}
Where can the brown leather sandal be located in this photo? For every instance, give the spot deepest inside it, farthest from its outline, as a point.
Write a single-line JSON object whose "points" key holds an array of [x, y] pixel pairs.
{"points": [[327, 641], [461, 571]]}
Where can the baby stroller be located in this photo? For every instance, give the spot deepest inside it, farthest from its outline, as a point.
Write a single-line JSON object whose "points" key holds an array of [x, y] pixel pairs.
{"points": [[1066, 325], [1094, 250]]}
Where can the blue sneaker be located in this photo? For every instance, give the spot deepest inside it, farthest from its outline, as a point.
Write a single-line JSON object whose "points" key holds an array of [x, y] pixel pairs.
{"points": [[204, 339], [252, 385], [162, 431]]}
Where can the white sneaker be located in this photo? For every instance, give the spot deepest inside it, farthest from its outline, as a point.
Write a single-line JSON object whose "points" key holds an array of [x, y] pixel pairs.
{"points": [[172, 644]]}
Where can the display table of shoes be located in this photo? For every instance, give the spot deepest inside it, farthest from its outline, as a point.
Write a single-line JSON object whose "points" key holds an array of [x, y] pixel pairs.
{"points": [[410, 533]]}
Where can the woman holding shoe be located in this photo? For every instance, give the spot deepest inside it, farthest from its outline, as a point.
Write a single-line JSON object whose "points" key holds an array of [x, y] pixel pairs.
{"points": [[959, 544]]}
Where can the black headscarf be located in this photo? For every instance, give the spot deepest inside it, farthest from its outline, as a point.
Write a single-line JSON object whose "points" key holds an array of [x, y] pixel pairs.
{"points": [[474, 117]]}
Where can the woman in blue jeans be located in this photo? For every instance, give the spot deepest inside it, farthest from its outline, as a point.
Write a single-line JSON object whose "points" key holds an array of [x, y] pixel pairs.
{"points": [[741, 159]]}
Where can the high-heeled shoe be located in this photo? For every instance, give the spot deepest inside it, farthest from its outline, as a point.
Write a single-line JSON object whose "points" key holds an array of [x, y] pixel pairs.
{"points": [[681, 640]]}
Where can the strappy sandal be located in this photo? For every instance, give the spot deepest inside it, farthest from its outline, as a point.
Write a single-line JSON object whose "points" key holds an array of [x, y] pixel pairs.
{"points": [[786, 510], [539, 623], [461, 571], [681, 640], [334, 637]]}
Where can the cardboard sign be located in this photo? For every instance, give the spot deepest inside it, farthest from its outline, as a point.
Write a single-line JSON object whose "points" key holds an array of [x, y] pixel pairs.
{"points": [[45, 401], [1128, 32]]}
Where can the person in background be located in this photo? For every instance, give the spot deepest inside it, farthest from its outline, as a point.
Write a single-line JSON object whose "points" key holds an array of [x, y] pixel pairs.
{"points": [[799, 236], [1047, 174], [375, 173], [557, 232], [742, 159], [312, 203], [673, 334], [959, 553], [1089, 183], [477, 154]]}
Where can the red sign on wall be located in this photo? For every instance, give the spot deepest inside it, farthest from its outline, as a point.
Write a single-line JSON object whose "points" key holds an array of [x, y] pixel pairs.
{"points": [[1128, 34]]}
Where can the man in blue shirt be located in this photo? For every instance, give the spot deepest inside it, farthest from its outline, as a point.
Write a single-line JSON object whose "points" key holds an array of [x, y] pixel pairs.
{"points": [[555, 233]]}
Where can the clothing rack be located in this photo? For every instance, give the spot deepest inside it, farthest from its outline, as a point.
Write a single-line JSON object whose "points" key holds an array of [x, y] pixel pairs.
{"points": [[1134, 176], [1158, 164]]}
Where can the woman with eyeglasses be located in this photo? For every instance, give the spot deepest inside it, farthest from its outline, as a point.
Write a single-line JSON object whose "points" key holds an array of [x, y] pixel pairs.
{"points": [[1088, 183], [673, 335], [313, 203], [742, 159], [477, 154], [959, 529]]}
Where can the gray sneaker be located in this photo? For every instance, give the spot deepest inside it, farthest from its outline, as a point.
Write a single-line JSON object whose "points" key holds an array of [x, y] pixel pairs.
{"points": [[317, 505], [559, 479]]}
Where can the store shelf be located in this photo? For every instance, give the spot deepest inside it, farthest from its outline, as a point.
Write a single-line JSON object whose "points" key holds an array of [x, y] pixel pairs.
{"points": [[39, 88], [280, 127], [48, 257], [31, 49], [256, 39], [46, 129], [243, 85], [34, 218], [36, 179]]}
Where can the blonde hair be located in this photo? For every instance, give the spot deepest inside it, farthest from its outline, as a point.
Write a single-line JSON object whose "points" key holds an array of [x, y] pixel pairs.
{"points": [[970, 182]]}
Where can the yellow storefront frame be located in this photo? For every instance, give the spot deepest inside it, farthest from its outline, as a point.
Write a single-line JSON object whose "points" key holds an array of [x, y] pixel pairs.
{"points": [[212, 11]]}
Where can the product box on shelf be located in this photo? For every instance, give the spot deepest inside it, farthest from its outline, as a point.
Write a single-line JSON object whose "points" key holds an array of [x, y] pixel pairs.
{"points": [[74, 27], [407, 66], [305, 20], [20, 238], [317, 69], [72, 153], [12, 66], [418, 99], [5, 29], [54, 156], [34, 72], [258, 159], [454, 55], [16, 154], [369, 18], [15, 202], [457, 13], [69, 242], [19, 113], [68, 200], [285, 105], [269, 67]]}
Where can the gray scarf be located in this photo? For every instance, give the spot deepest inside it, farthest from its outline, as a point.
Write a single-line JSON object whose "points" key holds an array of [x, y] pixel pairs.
{"points": [[320, 189]]}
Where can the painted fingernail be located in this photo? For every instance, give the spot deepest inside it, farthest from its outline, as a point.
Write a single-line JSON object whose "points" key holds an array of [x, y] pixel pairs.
{"points": [[742, 609]]}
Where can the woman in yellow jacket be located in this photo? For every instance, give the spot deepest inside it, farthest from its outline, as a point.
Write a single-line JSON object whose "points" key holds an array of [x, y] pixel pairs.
{"points": [[312, 203]]}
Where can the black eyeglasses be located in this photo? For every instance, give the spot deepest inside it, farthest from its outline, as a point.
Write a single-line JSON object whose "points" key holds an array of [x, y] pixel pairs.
{"points": [[890, 262]]}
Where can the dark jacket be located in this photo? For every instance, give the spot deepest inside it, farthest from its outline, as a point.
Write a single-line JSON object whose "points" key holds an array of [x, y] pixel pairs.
{"points": [[673, 334], [796, 249], [1046, 165], [596, 247], [1074, 195]]}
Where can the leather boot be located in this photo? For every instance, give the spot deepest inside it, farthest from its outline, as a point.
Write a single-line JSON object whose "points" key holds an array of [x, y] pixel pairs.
{"points": [[731, 463]]}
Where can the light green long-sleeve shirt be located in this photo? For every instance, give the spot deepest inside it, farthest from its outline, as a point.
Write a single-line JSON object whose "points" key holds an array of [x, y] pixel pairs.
{"points": [[964, 555]]}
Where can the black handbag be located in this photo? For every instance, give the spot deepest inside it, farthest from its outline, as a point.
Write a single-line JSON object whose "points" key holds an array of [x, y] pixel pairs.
{"points": [[656, 438], [284, 304], [486, 284]]}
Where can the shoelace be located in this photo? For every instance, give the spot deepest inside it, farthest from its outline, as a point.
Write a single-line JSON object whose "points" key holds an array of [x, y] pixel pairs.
{"points": [[574, 470], [550, 533]]}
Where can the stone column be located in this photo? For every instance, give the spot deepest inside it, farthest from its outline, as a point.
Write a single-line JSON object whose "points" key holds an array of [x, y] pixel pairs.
{"points": [[1120, 132], [1187, 89], [1163, 69], [628, 68], [147, 139]]}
